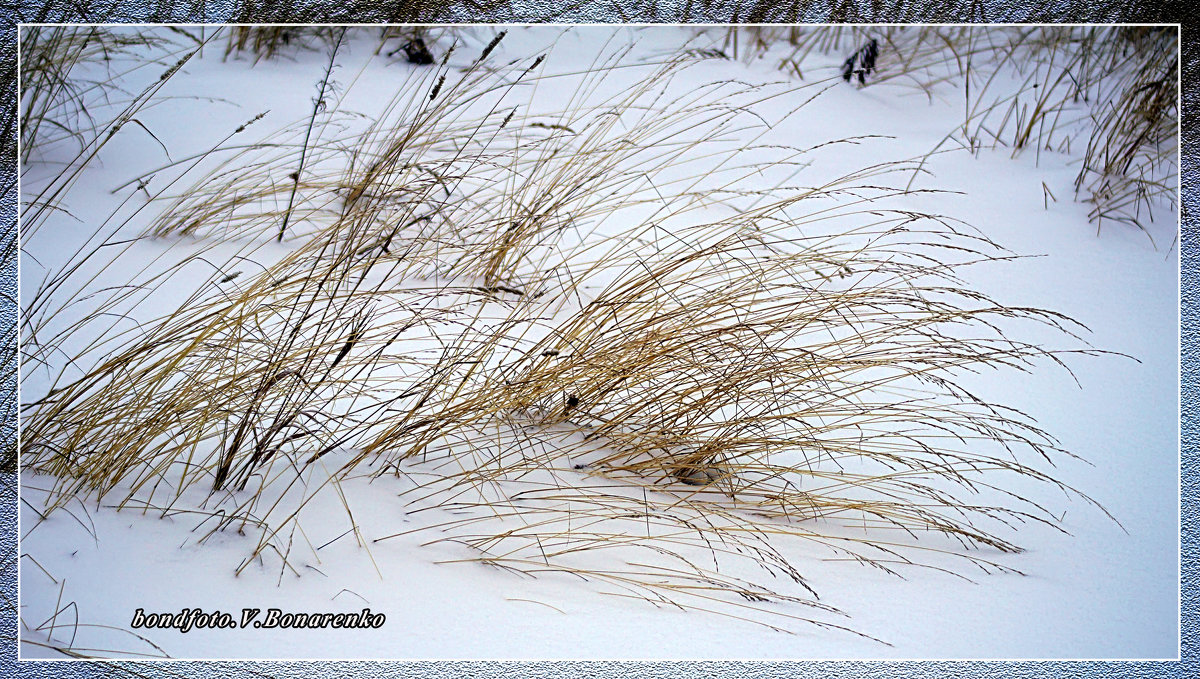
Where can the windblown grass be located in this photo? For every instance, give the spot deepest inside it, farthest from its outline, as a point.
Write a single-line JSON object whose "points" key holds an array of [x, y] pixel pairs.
{"points": [[711, 380], [754, 388]]}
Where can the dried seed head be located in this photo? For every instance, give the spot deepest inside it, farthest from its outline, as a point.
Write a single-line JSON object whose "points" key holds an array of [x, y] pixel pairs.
{"points": [[492, 45]]}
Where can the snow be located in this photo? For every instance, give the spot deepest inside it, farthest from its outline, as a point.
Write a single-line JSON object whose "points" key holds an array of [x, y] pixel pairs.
{"points": [[1107, 590]]}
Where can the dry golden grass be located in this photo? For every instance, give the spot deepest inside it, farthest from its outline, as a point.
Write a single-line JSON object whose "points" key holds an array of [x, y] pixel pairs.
{"points": [[622, 408]]}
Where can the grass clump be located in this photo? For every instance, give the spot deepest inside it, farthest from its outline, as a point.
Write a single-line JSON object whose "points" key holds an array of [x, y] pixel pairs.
{"points": [[268, 42], [736, 393], [1130, 161], [1104, 96]]}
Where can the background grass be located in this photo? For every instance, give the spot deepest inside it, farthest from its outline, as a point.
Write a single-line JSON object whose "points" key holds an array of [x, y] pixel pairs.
{"points": [[1104, 96]]}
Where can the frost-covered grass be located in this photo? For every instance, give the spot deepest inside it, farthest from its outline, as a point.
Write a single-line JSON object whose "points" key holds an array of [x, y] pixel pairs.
{"points": [[594, 304]]}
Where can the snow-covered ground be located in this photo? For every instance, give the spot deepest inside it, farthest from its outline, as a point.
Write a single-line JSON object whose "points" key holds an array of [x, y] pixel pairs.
{"points": [[1103, 591]]}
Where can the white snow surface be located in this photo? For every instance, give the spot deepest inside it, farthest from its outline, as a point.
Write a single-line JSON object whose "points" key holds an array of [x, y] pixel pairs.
{"points": [[1103, 591]]}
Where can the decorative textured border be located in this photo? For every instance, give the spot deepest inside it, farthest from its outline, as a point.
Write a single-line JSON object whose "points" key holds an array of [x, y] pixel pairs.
{"points": [[715, 11]]}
